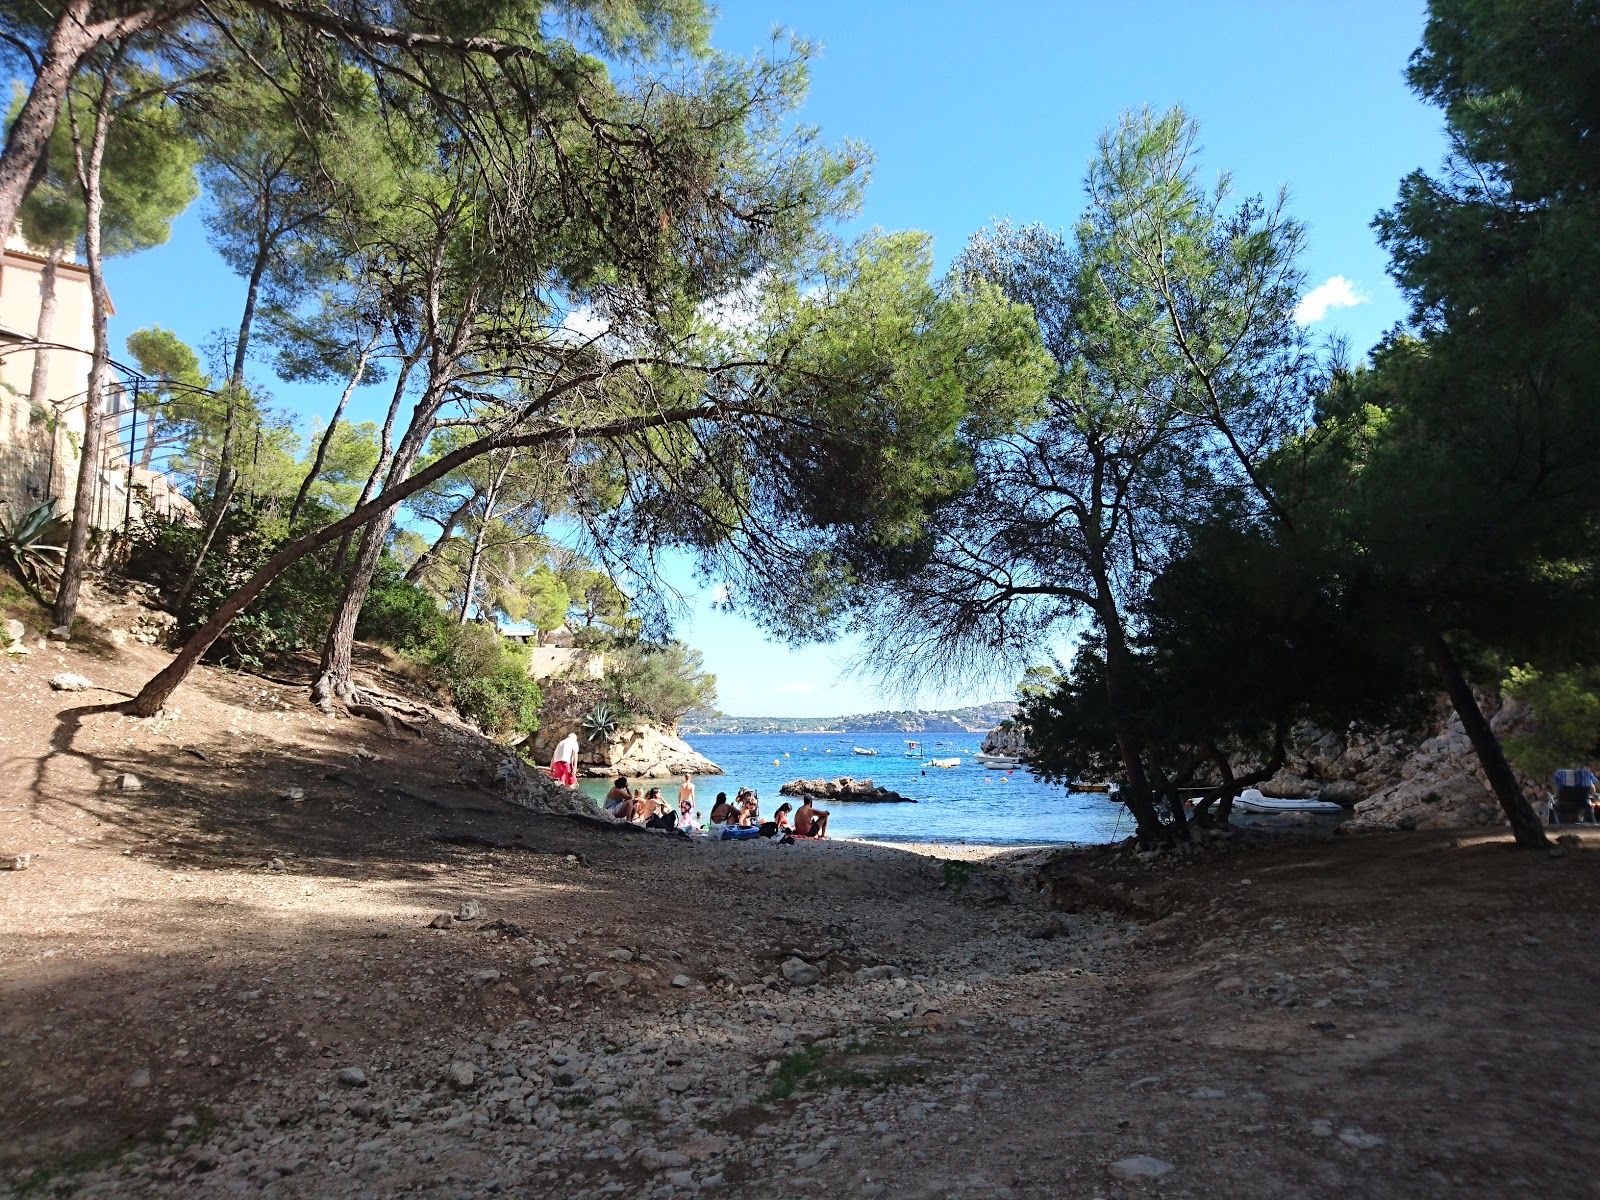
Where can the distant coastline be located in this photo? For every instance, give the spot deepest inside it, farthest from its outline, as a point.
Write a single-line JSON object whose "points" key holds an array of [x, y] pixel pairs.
{"points": [[977, 718]]}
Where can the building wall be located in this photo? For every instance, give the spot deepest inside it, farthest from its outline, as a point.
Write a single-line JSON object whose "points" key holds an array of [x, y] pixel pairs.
{"points": [[545, 661]]}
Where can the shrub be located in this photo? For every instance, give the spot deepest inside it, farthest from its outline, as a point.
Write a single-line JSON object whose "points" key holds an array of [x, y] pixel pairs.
{"points": [[291, 614], [398, 613], [659, 682], [486, 676]]}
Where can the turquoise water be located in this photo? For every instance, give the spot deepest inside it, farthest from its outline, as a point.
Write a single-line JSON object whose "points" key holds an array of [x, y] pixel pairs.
{"points": [[969, 803]]}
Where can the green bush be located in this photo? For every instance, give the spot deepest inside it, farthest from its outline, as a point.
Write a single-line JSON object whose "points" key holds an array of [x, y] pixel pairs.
{"points": [[657, 681], [487, 677], [291, 614], [398, 613]]}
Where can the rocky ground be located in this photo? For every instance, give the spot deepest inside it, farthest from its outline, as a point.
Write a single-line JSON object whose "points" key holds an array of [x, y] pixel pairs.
{"points": [[400, 982]]}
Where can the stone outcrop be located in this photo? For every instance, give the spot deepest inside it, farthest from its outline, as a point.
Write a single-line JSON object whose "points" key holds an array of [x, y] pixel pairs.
{"points": [[646, 752], [844, 788], [1393, 782], [639, 751], [1006, 738]]}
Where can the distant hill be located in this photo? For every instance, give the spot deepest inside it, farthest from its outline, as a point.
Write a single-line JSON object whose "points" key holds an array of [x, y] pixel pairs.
{"points": [[978, 718]]}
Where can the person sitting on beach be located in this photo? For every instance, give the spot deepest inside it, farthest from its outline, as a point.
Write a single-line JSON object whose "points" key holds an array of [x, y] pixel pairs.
{"points": [[810, 821], [723, 813], [779, 825], [619, 800], [749, 809], [657, 814]]}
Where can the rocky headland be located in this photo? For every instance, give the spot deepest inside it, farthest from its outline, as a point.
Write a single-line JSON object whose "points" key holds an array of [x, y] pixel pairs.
{"points": [[641, 750]]}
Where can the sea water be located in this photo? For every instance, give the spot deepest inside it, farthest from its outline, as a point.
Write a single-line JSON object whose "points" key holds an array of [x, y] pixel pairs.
{"points": [[969, 803]]}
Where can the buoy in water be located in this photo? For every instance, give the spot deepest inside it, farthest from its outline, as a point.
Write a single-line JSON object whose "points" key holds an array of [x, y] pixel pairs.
{"points": [[786, 754], [774, 762]]}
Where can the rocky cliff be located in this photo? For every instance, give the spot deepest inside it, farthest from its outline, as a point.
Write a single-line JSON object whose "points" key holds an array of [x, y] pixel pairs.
{"points": [[1397, 783], [639, 751], [1392, 781], [1005, 738]]}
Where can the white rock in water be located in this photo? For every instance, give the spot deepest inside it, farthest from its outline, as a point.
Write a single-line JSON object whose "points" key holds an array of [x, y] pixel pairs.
{"points": [[799, 972], [68, 682], [1141, 1166]]}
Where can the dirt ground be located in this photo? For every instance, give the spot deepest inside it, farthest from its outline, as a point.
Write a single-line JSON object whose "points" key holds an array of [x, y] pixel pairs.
{"points": [[212, 987]]}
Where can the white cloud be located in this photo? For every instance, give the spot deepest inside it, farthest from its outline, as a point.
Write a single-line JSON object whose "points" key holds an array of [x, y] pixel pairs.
{"points": [[583, 322], [736, 311], [1337, 292], [799, 687]]}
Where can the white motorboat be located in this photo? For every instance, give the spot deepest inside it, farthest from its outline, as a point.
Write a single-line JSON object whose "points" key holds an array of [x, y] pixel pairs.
{"points": [[864, 753], [1252, 801], [944, 763], [997, 760], [913, 749]]}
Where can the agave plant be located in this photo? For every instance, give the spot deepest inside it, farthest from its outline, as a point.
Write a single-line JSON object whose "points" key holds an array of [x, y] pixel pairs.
{"points": [[23, 547], [601, 723]]}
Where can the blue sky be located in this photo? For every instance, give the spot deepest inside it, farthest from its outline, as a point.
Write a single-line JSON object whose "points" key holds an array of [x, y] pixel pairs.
{"points": [[977, 112]]}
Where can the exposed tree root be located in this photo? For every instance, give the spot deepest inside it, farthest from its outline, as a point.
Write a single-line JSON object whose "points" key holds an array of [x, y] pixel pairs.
{"points": [[331, 693]]}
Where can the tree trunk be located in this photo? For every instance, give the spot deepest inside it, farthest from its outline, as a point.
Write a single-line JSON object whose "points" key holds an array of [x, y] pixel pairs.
{"points": [[385, 450], [327, 436], [1524, 821], [94, 410], [29, 136], [476, 558], [149, 451], [428, 557], [333, 679], [219, 509], [154, 694], [44, 329], [241, 349], [1118, 694]]}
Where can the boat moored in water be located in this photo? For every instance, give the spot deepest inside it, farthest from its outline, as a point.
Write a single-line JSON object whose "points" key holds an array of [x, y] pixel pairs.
{"points": [[1252, 801], [997, 760]]}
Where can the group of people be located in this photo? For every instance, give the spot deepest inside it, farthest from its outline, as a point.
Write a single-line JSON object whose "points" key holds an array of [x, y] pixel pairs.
{"points": [[729, 819], [648, 808]]}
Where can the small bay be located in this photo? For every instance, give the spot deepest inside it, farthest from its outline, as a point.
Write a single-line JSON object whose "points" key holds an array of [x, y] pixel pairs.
{"points": [[971, 803]]}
